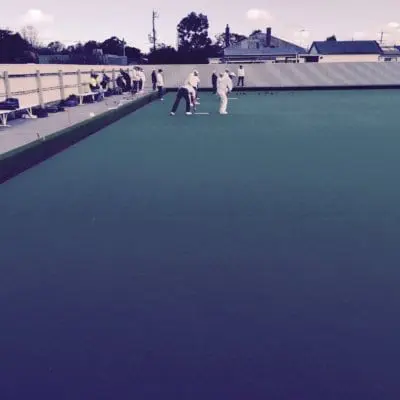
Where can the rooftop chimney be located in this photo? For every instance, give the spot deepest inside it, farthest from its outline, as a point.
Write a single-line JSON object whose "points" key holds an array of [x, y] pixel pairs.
{"points": [[268, 37], [227, 36]]}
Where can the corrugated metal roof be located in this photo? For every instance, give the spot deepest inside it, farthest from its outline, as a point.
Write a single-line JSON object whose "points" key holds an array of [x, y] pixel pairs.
{"points": [[392, 50], [273, 51], [275, 41], [348, 47]]}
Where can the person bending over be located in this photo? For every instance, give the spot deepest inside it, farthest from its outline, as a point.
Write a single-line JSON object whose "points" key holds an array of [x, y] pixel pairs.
{"points": [[194, 80], [127, 79], [188, 93], [105, 82]]}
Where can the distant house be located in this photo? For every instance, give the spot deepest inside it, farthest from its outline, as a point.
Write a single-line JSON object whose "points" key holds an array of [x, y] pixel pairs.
{"points": [[111, 59], [346, 51], [390, 54], [262, 47], [54, 59]]}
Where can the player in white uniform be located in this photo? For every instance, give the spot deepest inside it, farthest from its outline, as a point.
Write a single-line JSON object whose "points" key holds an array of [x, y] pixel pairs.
{"points": [[142, 81], [241, 75], [224, 86], [193, 79], [188, 93], [135, 79], [160, 84]]}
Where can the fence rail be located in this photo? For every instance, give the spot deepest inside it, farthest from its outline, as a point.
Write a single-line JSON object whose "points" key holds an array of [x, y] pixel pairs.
{"points": [[40, 84]]}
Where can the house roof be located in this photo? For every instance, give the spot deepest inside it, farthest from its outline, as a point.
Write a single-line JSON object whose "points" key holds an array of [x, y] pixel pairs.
{"points": [[264, 51], [277, 42], [347, 47], [392, 51]]}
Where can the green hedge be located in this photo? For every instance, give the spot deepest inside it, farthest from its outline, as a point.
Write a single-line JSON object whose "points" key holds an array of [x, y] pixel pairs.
{"points": [[18, 160]]}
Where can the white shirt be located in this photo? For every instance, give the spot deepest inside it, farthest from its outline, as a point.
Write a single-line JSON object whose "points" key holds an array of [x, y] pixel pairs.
{"points": [[224, 84], [190, 89], [240, 72], [135, 75], [160, 79], [193, 80], [142, 76]]}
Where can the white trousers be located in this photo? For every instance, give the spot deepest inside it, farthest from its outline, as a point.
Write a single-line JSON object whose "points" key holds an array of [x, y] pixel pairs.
{"points": [[223, 105]]}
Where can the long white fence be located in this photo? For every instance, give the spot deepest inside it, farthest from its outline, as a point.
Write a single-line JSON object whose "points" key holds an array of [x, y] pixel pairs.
{"points": [[39, 84]]}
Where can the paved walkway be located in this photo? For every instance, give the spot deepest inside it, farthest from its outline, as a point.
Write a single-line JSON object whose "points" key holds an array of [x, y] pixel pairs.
{"points": [[23, 131]]}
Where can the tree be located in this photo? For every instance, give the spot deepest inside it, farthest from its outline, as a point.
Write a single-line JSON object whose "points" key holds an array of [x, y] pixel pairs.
{"points": [[113, 45], [91, 45], [133, 54], [163, 55], [331, 38], [30, 34], [256, 32], [235, 38], [13, 48], [78, 55], [76, 48], [193, 32], [56, 47]]}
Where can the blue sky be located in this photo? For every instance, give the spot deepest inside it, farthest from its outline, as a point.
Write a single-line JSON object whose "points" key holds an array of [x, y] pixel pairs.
{"points": [[298, 21]]}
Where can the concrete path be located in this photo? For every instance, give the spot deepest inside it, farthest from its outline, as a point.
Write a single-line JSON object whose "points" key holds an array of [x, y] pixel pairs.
{"points": [[23, 131]]}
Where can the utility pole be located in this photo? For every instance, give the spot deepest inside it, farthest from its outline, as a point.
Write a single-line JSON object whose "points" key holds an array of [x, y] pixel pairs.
{"points": [[123, 46], [154, 36], [381, 39]]}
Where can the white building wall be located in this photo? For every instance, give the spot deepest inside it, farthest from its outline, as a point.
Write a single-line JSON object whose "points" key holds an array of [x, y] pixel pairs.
{"points": [[348, 58], [22, 80]]}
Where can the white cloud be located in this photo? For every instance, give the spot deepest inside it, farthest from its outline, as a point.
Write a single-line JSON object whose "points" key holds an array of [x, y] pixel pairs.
{"points": [[256, 14], [393, 25], [36, 17]]}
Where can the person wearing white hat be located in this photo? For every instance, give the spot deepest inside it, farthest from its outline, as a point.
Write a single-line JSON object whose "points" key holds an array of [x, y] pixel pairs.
{"points": [[193, 79], [224, 86]]}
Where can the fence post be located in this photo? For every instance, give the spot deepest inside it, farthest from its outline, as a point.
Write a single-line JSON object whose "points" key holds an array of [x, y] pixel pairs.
{"points": [[79, 81], [61, 82], [39, 88], [7, 85], [114, 83]]}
